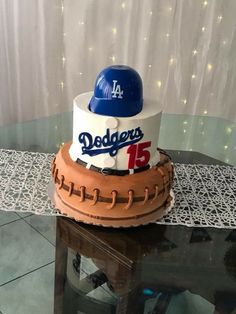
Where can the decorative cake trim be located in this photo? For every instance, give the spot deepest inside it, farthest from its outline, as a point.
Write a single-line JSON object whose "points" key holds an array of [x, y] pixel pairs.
{"points": [[81, 191], [136, 216], [72, 191], [110, 171]]}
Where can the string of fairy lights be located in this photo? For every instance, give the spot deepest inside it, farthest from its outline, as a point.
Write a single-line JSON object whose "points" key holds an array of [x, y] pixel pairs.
{"points": [[159, 83]]}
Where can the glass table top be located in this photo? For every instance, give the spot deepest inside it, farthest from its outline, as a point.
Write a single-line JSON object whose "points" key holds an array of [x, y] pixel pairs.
{"points": [[149, 269], [214, 137]]}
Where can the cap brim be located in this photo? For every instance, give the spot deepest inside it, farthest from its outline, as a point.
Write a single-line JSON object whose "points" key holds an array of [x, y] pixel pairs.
{"points": [[115, 107]]}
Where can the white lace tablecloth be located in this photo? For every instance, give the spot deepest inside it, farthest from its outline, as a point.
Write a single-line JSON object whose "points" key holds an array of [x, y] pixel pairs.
{"points": [[205, 195]]}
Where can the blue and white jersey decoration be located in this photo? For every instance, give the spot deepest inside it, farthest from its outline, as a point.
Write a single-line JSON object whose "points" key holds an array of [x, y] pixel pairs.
{"points": [[111, 126]]}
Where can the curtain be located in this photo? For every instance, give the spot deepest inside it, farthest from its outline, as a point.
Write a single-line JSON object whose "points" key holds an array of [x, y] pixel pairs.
{"points": [[184, 50], [52, 50], [30, 59]]}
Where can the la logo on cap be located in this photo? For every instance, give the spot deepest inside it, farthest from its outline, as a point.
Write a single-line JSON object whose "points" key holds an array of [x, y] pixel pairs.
{"points": [[116, 90]]}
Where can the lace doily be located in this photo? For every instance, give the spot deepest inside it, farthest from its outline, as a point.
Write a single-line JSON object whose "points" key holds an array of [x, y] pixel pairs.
{"points": [[205, 195]]}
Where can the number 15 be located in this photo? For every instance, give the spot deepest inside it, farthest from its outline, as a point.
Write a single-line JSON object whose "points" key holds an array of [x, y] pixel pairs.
{"points": [[138, 156]]}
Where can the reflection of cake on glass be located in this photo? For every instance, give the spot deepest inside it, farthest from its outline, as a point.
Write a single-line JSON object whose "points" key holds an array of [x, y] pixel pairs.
{"points": [[112, 173]]}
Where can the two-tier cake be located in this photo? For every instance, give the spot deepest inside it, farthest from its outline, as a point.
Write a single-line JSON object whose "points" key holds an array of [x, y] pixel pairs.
{"points": [[112, 173]]}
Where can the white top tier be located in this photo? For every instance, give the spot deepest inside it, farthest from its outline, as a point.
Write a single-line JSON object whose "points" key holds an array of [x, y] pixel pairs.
{"points": [[113, 142]]}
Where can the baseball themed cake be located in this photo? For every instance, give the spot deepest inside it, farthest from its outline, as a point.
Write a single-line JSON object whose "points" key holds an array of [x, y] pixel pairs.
{"points": [[112, 173]]}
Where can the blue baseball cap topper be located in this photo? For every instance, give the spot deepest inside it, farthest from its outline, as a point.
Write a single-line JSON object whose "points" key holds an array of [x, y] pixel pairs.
{"points": [[118, 92]]}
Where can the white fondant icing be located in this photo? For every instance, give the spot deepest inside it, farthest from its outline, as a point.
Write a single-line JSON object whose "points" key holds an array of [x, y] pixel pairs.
{"points": [[147, 122]]}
